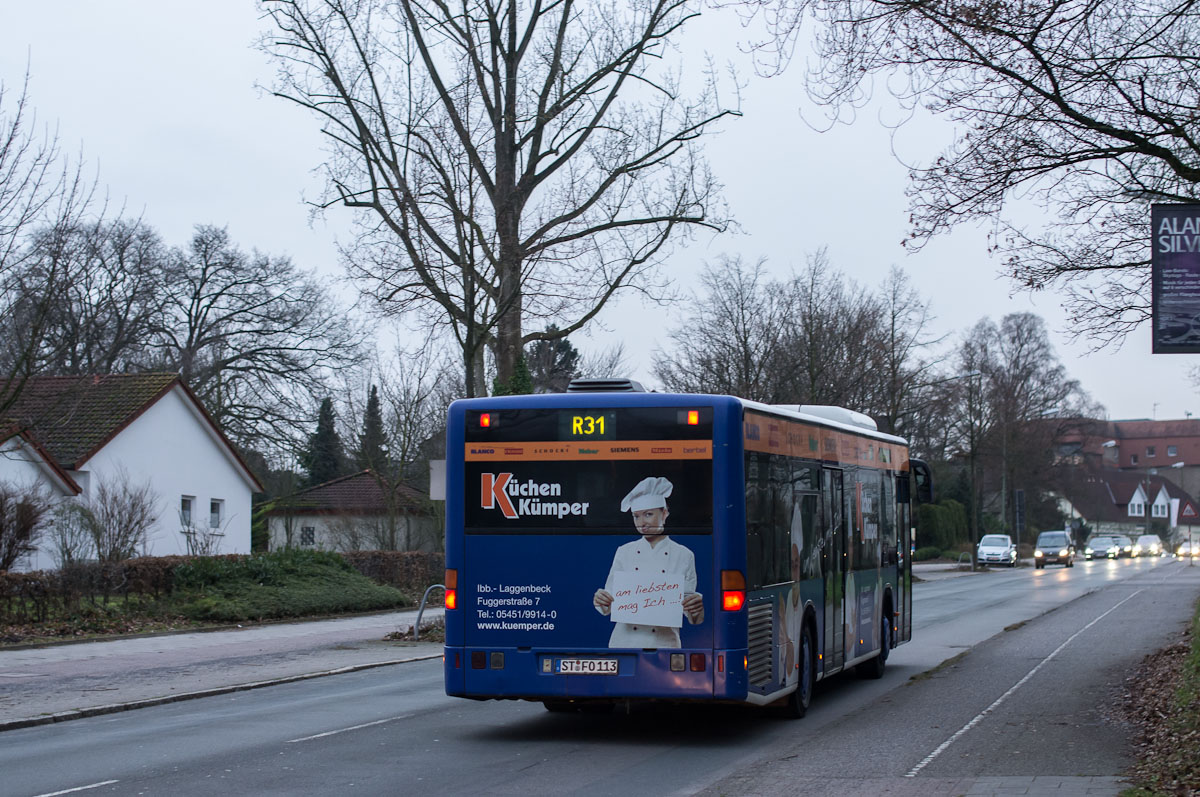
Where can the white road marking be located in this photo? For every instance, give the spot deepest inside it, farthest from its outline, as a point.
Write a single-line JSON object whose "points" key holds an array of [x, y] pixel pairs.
{"points": [[912, 773], [78, 788], [345, 730]]}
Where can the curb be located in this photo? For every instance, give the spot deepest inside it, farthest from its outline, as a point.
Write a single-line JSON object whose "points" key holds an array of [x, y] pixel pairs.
{"points": [[113, 708]]}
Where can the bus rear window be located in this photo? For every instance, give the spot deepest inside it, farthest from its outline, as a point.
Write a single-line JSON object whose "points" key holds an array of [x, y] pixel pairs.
{"points": [[554, 471]]}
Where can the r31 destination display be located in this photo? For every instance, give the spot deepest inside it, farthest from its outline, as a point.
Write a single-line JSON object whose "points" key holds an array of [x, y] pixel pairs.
{"points": [[572, 425]]}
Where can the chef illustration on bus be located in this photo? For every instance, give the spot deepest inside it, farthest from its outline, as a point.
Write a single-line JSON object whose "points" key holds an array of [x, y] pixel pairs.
{"points": [[651, 586]]}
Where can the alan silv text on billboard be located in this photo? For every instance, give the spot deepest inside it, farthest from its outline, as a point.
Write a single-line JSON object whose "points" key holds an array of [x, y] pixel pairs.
{"points": [[1175, 269]]}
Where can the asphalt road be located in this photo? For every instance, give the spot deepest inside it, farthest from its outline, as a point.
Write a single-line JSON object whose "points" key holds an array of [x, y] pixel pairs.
{"points": [[1026, 705]]}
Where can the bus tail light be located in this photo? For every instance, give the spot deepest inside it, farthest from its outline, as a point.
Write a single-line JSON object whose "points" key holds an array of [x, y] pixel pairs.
{"points": [[698, 662], [733, 590], [451, 583]]}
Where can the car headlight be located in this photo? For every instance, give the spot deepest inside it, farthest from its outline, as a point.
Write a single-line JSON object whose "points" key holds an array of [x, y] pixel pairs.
{"points": [[1088, 550], [1038, 554], [1063, 552]]}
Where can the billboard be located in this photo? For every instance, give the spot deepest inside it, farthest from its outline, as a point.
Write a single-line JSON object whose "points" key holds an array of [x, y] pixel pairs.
{"points": [[1175, 271]]}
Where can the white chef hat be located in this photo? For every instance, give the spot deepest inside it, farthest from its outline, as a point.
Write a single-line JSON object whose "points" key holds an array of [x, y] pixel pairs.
{"points": [[650, 493]]}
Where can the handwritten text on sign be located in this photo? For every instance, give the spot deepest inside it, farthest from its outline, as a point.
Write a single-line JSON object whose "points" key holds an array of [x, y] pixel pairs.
{"points": [[647, 600]]}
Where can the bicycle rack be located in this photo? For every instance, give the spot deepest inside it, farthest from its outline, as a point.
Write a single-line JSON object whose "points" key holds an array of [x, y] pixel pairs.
{"points": [[421, 610]]}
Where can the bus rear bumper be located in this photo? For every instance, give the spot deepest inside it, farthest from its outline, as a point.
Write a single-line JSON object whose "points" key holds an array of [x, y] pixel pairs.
{"points": [[537, 674]]}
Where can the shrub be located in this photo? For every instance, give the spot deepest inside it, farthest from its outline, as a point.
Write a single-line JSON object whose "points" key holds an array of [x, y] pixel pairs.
{"points": [[409, 571], [927, 553]]}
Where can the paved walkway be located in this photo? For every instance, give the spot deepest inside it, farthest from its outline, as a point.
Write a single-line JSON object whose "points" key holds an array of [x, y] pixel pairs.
{"points": [[52, 683]]}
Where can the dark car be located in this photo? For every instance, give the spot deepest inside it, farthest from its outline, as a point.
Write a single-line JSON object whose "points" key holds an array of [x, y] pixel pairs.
{"points": [[1102, 548], [1054, 547]]}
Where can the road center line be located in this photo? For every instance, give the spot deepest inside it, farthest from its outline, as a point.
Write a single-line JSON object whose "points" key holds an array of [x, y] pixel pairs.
{"points": [[346, 730], [912, 773], [79, 788]]}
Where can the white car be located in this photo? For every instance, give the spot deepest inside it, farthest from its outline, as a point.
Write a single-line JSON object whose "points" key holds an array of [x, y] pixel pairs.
{"points": [[1148, 545], [996, 549]]}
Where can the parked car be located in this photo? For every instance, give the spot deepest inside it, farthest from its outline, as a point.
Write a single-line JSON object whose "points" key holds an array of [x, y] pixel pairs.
{"points": [[1126, 544], [1148, 545], [996, 549], [1054, 547], [1102, 548]]}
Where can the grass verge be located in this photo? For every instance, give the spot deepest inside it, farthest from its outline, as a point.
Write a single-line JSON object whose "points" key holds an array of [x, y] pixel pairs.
{"points": [[289, 583], [208, 592], [1165, 706]]}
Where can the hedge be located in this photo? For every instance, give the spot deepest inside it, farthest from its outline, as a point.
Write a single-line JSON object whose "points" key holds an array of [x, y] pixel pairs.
{"points": [[36, 597], [942, 525]]}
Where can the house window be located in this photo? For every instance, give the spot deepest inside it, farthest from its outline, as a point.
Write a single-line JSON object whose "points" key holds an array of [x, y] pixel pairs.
{"points": [[1172, 451], [1158, 510], [185, 510], [308, 536], [1149, 452], [1133, 459], [216, 512], [1135, 509]]}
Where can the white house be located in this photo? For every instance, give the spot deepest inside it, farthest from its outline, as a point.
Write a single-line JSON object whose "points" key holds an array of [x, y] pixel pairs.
{"points": [[77, 433], [359, 512]]}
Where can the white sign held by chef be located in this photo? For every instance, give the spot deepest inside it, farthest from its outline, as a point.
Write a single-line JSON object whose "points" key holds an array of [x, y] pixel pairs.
{"points": [[647, 600]]}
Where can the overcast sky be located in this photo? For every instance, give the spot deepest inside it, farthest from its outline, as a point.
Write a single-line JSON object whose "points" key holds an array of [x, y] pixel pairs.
{"points": [[163, 103]]}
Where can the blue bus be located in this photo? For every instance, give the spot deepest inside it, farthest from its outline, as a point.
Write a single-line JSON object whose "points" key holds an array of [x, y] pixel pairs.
{"points": [[607, 545]]}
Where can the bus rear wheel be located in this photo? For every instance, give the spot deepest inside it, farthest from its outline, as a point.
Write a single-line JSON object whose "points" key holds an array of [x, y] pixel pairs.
{"points": [[798, 702], [874, 667]]}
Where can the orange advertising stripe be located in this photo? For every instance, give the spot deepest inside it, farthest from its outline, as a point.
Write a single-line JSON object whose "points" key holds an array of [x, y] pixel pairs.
{"points": [[597, 449], [773, 435]]}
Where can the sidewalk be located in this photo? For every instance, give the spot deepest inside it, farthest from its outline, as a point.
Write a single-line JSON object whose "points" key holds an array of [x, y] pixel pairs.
{"points": [[940, 570], [68, 681]]}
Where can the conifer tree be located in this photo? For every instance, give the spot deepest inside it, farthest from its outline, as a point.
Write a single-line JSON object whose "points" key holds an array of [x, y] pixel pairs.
{"points": [[326, 456], [372, 442]]}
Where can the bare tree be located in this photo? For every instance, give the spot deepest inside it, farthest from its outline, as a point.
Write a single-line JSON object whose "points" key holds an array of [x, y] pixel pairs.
{"points": [[1091, 109], [1014, 398], [732, 338], [107, 312], [415, 388], [815, 338], [833, 339], [902, 372], [517, 161], [39, 190], [202, 538], [606, 362], [70, 538], [23, 512], [118, 515], [253, 336]]}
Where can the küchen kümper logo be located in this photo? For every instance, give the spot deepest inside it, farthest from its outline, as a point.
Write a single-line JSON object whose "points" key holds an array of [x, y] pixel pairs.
{"points": [[517, 499]]}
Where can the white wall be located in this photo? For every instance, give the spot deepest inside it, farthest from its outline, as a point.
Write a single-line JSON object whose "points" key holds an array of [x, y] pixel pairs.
{"points": [[22, 467], [423, 534], [18, 465], [171, 447]]}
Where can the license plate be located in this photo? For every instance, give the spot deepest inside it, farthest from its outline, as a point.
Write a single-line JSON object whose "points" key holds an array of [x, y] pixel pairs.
{"points": [[587, 666]]}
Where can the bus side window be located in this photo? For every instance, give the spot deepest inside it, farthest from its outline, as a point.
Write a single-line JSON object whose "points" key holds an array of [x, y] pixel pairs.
{"points": [[768, 520], [757, 512]]}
